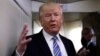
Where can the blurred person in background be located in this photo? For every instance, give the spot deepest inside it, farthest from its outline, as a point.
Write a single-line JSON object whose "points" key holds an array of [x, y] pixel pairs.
{"points": [[88, 41]]}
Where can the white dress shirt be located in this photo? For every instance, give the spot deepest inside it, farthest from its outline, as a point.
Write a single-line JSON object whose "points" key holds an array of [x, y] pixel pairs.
{"points": [[49, 41]]}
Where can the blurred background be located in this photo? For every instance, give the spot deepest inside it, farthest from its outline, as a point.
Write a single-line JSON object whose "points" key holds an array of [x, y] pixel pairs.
{"points": [[15, 13]]}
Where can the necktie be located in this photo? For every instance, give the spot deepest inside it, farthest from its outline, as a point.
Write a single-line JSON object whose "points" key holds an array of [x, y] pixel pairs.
{"points": [[56, 49]]}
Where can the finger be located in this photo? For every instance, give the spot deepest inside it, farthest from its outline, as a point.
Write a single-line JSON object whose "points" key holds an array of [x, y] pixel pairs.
{"points": [[24, 34], [25, 41], [24, 31], [24, 28]]}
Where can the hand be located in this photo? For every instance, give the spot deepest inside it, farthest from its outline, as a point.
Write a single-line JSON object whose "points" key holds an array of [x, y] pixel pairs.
{"points": [[23, 41], [84, 52]]}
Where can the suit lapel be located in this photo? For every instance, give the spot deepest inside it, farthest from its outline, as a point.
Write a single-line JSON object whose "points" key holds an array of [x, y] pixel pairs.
{"points": [[43, 45], [66, 45]]}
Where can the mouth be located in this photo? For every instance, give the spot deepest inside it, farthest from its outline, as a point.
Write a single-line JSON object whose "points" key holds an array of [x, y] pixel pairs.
{"points": [[53, 25]]}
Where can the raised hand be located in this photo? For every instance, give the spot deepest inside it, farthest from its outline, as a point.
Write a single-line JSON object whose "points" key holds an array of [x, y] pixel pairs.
{"points": [[22, 40]]}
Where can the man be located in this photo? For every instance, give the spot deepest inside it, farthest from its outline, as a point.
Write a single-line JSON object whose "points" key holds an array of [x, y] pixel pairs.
{"points": [[48, 42], [88, 41]]}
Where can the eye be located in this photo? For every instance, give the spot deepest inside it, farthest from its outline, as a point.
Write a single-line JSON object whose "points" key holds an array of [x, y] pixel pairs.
{"points": [[56, 14], [47, 15]]}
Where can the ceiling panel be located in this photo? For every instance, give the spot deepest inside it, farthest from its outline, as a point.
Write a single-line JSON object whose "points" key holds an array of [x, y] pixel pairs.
{"points": [[58, 1]]}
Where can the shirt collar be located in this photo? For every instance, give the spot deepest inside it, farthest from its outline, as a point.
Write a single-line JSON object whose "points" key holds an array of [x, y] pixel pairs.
{"points": [[48, 36]]}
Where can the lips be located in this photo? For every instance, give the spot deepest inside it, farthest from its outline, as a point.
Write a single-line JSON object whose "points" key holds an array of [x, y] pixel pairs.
{"points": [[53, 25]]}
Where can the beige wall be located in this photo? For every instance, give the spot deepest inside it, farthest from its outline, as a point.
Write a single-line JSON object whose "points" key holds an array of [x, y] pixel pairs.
{"points": [[12, 19]]}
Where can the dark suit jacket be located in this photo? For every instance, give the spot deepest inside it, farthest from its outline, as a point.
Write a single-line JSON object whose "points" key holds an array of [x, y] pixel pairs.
{"points": [[92, 49], [39, 47]]}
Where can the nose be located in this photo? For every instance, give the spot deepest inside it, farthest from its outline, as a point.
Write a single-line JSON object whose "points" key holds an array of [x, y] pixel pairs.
{"points": [[52, 17]]}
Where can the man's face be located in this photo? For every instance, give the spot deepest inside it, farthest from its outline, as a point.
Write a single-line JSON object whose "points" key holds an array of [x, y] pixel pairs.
{"points": [[87, 34], [51, 19]]}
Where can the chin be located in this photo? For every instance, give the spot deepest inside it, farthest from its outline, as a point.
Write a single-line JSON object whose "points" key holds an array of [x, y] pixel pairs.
{"points": [[54, 31]]}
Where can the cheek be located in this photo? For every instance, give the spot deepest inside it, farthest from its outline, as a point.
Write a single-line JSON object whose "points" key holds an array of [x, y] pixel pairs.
{"points": [[60, 22], [44, 23]]}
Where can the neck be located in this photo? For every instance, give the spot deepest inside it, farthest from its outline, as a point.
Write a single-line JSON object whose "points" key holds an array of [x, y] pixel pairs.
{"points": [[51, 33]]}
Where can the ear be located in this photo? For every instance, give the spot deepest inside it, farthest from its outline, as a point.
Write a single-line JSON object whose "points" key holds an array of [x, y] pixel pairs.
{"points": [[40, 20], [62, 19]]}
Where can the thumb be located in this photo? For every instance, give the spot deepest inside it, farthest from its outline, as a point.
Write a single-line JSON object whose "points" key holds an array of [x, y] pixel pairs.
{"points": [[27, 41]]}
